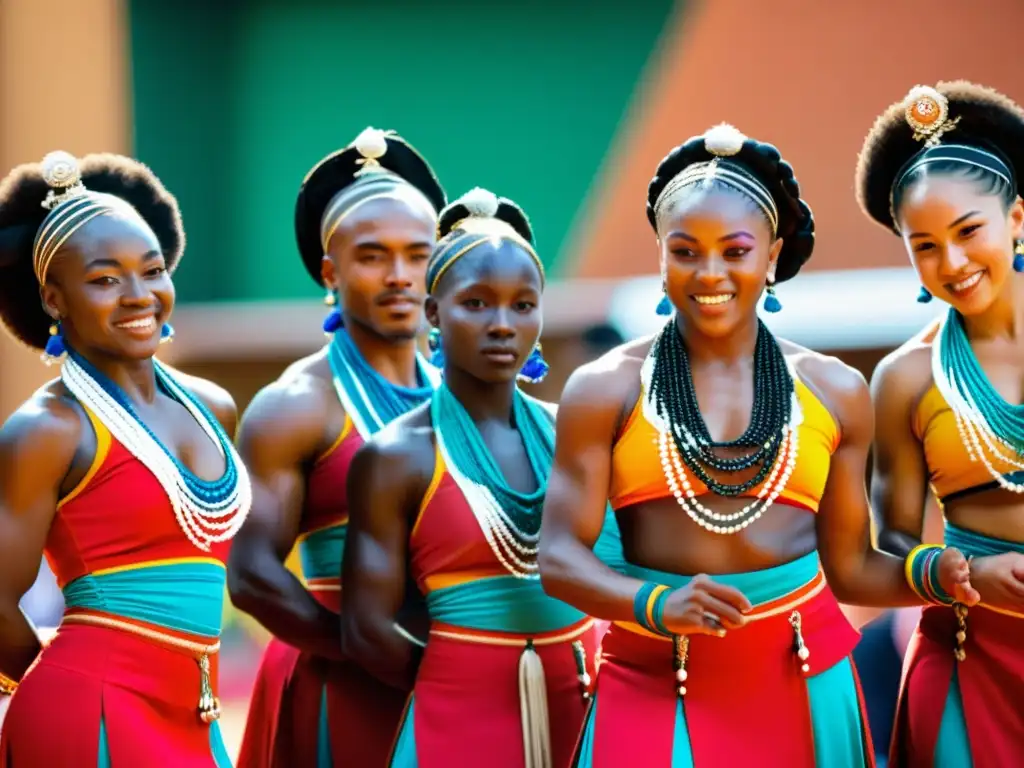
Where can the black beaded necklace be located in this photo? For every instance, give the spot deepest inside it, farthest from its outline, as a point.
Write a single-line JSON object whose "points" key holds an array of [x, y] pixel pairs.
{"points": [[675, 399]]}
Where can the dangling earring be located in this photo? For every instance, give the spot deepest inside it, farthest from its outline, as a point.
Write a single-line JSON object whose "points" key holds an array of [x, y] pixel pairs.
{"points": [[1018, 257], [434, 343], [771, 301], [535, 368], [334, 321], [924, 296], [55, 348], [665, 305], [167, 333]]}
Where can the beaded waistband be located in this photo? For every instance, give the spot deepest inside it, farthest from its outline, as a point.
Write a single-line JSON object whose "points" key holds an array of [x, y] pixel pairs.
{"points": [[512, 640], [770, 609], [209, 705]]}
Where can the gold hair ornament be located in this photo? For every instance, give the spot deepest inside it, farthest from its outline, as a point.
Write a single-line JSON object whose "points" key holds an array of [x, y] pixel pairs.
{"points": [[372, 145], [927, 113], [63, 176]]}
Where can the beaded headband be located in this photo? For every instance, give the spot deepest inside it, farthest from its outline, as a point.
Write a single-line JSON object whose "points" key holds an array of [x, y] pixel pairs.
{"points": [[927, 113], [372, 182], [71, 206], [478, 228], [721, 141]]}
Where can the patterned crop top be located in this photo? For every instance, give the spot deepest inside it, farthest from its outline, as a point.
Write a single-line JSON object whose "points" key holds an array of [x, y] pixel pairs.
{"points": [[637, 476]]}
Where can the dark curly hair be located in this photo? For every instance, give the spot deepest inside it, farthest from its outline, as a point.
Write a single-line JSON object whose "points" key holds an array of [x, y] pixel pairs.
{"points": [[987, 120], [21, 213], [764, 163]]}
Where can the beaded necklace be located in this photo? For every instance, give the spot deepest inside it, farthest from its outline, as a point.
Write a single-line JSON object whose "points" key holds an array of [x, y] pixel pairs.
{"points": [[510, 520], [208, 512], [988, 425], [370, 400], [684, 443]]}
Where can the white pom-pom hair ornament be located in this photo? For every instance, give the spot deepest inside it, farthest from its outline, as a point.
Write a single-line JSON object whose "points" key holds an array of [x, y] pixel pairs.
{"points": [[723, 140], [371, 144], [480, 203], [60, 170]]}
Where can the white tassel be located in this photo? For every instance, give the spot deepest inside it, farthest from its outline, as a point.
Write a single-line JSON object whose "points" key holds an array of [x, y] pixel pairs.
{"points": [[533, 706]]}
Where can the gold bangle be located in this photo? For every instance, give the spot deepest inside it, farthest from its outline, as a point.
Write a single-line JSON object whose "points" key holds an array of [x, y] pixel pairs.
{"points": [[7, 685]]}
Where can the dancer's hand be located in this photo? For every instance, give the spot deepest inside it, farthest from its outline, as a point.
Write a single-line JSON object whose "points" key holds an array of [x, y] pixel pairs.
{"points": [[705, 607], [1000, 580], [956, 576]]}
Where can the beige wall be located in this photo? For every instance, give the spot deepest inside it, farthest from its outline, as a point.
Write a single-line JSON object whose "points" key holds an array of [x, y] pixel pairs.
{"points": [[63, 85]]}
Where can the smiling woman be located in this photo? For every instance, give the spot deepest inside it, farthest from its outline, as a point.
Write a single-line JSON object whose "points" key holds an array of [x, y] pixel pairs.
{"points": [[941, 169], [121, 471]]}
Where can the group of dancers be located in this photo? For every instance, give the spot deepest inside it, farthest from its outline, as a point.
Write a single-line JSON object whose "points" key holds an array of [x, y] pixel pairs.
{"points": [[464, 545]]}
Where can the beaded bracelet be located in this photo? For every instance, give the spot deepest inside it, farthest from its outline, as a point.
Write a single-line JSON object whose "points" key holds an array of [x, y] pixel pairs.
{"points": [[7, 685], [649, 607], [922, 571]]}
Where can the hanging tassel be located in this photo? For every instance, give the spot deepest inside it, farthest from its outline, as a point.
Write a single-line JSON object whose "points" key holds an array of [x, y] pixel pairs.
{"points": [[535, 368], [209, 705], [579, 654], [771, 301], [167, 333], [533, 709], [434, 343], [924, 296], [664, 306], [802, 651], [55, 349], [334, 321]]}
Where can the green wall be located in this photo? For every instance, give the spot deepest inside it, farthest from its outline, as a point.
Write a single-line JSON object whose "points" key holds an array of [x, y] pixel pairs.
{"points": [[234, 101]]}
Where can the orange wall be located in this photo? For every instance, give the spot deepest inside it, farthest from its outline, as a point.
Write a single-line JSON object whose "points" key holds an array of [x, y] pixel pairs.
{"points": [[808, 77]]}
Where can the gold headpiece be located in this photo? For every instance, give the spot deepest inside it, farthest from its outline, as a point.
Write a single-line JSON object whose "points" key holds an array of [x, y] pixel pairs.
{"points": [[64, 178], [927, 112], [371, 144]]}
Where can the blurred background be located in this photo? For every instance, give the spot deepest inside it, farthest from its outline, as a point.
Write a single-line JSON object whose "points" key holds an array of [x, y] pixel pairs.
{"points": [[566, 106]]}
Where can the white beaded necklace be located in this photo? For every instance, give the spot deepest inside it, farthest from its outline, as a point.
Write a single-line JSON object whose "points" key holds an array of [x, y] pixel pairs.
{"points": [[203, 522], [514, 548], [975, 432], [679, 482]]}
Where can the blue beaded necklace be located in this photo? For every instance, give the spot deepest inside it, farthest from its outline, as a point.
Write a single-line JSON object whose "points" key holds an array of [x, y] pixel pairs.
{"points": [[370, 400]]}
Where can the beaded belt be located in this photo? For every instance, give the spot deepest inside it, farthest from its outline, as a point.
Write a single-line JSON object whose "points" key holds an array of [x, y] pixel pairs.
{"points": [[209, 705]]}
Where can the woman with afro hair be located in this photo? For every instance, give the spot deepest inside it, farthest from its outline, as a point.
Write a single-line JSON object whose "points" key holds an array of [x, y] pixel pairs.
{"points": [[941, 169], [735, 462], [121, 471]]}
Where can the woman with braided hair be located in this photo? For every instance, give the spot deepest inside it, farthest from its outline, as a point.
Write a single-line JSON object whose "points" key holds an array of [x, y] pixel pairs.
{"points": [[728, 646], [455, 488], [121, 470], [941, 170]]}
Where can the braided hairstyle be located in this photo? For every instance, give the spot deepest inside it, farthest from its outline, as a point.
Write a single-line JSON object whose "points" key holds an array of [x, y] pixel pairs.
{"points": [[21, 213], [765, 164], [475, 204], [986, 119]]}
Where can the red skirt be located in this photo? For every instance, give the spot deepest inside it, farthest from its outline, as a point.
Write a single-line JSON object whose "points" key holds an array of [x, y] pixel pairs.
{"points": [[145, 695], [746, 701], [465, 710], [991, 682], [286, 711]]}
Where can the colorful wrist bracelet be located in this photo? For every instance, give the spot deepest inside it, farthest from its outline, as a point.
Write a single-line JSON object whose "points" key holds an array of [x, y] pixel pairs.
{"points": [[922, 572], [648, 606]]}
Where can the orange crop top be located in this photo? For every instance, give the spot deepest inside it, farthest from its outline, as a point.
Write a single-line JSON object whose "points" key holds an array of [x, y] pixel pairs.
{"points": [[636, 474], [951, 472]]}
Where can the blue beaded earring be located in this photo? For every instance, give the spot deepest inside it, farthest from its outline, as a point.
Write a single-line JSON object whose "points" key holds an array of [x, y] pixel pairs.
{"points": [[535, 368], [1018, 257], [665, 305], [334, 321], [166, 333], [434, 343], [55, 347], [924, 296], [771, 301]]}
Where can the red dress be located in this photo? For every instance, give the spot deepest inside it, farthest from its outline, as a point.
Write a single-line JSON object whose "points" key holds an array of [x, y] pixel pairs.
{"points": [[121, 681], [306, 710]]}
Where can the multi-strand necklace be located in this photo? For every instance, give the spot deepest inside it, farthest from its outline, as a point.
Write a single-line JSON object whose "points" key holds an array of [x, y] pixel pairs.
{"points": [[510, 520], [769, 443], [208, 512], [988, 425]]}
